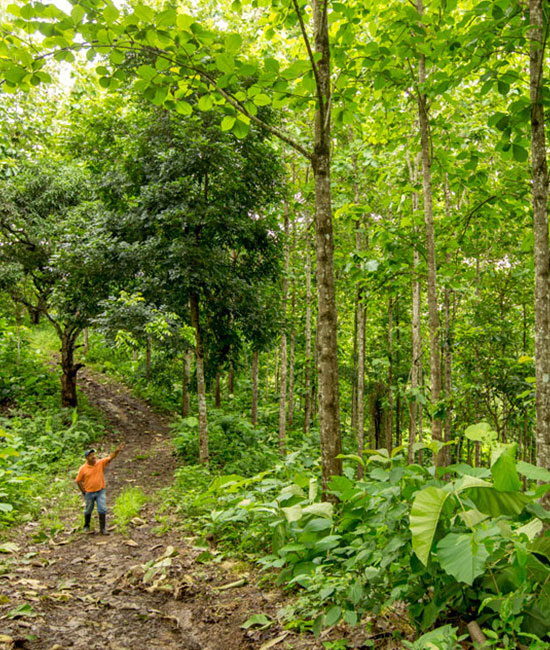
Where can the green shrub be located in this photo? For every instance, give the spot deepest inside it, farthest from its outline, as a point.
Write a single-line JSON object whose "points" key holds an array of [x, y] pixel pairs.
{"points": [[234, 444], [128, 505]]}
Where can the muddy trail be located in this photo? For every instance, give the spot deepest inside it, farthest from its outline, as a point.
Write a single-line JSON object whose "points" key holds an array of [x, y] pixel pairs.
{"points": [[140, 590]]}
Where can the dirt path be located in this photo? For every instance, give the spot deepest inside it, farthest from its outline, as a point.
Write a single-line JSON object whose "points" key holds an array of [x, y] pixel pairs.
{"points": [[143, 590]]}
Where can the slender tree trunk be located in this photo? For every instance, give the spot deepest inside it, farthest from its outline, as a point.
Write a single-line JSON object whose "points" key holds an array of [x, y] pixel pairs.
{"points": [[69, 367], [86, 341], [415, 406], [231, 381], [292, 360], [283, 353], [354, 371], [329, 415], [148, 355], [435, 364], [396, 357], [254, 408], [361, 318], [389, 413], [540, 219], [308, 359], [447, 346], [186, 374], [201, 386], [18, 318], [218, 392], [267, 376]]}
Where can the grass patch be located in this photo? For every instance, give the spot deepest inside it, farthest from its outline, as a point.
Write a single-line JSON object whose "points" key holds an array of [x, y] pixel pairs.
{"points": [[128, 505]]}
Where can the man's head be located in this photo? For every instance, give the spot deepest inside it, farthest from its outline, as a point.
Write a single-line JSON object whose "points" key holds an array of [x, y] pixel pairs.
{"points": [[90, 456]]}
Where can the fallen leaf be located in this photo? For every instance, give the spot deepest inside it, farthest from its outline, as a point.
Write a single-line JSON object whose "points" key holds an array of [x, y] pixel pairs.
{"points": [[130, 542], [274, 642], [9, 547], [22, 610]]}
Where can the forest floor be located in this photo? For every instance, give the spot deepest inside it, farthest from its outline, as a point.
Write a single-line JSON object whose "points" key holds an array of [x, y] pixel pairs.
{"points": [[143, 589]]}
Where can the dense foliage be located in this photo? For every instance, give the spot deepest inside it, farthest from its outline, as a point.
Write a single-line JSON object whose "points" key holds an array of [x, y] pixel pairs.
{"points": [[178, 202]]}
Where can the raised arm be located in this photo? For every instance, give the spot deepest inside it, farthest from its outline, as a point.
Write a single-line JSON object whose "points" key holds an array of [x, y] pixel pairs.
{"points": [[116, 452]]}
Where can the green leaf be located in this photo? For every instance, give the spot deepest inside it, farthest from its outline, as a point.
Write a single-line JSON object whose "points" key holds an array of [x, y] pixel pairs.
{"points": [[462, 557], [183, 107], [424, 517], [532, 472], [333, 616], [77, 13], [505, 476], [225, 63], [324, 509], [228, 122], [355, 592], [261, 99], [293, 513], [233, 42], [520, 153], [240, 129], [316, 525], [146, 72], [22, 610], [257, 619], [205, 103], [496, 503], [15, 74], [480, 432]]}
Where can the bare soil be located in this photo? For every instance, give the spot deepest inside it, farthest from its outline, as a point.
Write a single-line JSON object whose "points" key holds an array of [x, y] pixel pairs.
{"points": [[143, 589]]}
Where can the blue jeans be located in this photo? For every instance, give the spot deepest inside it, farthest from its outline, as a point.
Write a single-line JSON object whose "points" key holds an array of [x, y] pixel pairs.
{"points": [[95, 497]]}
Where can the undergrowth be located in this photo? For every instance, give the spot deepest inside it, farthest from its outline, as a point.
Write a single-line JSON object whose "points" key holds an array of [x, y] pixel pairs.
{"points": [[127, 506], [40, 443]]}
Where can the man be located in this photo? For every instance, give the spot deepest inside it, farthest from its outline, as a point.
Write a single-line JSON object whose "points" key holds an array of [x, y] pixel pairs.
{"points": [[91, 481]]}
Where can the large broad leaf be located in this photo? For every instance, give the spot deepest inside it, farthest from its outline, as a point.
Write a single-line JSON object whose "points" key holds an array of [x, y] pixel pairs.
{"points": [[496, 503], [425, 513], [462, 557], [463, 469], [533, 472], [480, 432], [505, 475]]}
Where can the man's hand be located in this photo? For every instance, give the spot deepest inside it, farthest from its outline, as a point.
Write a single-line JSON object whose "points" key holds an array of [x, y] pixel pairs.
{"points": [[117, 451]]}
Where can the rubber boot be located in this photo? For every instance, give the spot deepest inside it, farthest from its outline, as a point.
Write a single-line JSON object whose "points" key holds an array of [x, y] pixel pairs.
{"points": [[87, 519], [102, 525]]}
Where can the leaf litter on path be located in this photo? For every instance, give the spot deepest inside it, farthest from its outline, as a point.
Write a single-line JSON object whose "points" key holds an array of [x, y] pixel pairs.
{"points": [[146, 590]]}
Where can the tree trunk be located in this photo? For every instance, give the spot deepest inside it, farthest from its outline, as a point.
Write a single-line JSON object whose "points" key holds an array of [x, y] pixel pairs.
{"points": [[283, 353], [447, 346], [540, 220], [389, 412], [201, 386], [186, 374], [396, 357], [292, 359], [267, 376], [308, 359], [86, 341], [148, 355], [361, 318], [435, 364], [416, 361], [231, 381], [254, 407], [329, 416], [68, 367], [217, 392], [18, 318]]}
